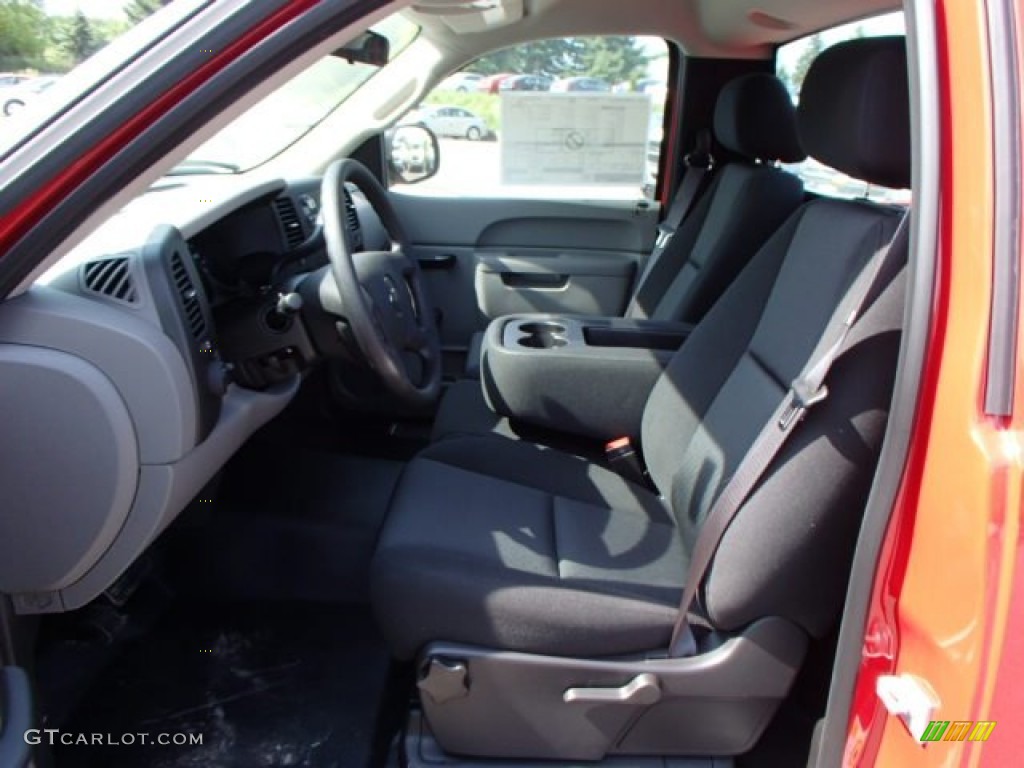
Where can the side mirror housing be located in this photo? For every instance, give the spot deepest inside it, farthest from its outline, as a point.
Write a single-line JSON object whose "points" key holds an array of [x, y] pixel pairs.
{"points": [[412, 153]]}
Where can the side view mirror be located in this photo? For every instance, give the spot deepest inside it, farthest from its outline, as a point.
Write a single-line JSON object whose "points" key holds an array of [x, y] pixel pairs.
{"points": [[412, 152]]}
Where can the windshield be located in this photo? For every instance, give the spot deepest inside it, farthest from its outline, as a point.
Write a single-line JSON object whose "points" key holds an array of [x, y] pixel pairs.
{"points": [[286, 115], [52, 51]]}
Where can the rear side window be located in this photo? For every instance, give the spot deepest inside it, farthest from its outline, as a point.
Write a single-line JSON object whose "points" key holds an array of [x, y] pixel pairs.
{"points": [[569, 117], [791, 64]]}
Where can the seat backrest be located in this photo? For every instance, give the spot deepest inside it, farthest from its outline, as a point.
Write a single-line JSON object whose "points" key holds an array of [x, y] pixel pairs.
{"points": [[788, 550], [744, 204]]}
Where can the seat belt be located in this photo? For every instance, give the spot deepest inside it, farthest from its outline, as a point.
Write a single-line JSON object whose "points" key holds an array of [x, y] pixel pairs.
{"points": [[699, 165], [806, 391]]}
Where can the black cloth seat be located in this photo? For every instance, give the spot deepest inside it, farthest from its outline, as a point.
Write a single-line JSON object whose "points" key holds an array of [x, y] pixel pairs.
{"points": [[509, 545], [743, 205], [596, 562]]}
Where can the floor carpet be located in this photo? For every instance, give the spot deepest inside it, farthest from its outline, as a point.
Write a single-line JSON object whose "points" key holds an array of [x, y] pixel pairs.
{"points": [[263, 684]]}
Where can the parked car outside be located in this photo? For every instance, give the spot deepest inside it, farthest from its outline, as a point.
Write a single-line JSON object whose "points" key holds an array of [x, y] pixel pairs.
{"points": [[491, 83], [8, 79], [657, 89], [590, 84], [16, 96], [526, 83], [455, 122], [461, 82]]}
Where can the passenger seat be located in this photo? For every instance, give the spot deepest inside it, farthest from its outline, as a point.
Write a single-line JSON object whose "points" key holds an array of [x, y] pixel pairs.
{"points": [[746, 201]]}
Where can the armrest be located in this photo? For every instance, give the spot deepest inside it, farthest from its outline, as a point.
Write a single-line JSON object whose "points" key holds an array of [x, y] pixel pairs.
{"points": [[476, 343], [589, 376], [628, 333]]}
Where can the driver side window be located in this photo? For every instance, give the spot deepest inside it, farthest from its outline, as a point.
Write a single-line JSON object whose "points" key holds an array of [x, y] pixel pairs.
{"points": [[569, 117]]}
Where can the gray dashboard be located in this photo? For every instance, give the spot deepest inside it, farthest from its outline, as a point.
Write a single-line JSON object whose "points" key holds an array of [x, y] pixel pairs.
{"points": [[115, 405]]}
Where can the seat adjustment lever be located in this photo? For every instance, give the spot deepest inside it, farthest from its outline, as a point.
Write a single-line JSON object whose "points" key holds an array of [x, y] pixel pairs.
{"points": [[642, 690], [444, 680]]}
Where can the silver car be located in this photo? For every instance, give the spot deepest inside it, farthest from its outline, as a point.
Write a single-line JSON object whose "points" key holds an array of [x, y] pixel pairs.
{"points": [[15, 97], [451, 121]]}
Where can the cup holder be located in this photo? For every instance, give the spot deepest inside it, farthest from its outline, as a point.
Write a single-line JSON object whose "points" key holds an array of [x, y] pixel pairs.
{"points": [[542, 335], [542, 341], [554, 329]]}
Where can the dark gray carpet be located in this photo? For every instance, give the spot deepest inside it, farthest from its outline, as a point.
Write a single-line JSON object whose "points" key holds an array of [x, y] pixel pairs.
{"points": [[265, 685], [300, 526]]}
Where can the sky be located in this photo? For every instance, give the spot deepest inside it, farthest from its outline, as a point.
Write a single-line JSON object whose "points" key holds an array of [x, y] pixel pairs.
{"points": [[97, 9], [889, 24]]}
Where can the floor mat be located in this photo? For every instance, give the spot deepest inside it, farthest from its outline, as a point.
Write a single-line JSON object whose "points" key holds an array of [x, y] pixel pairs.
{"points": [[264, 685], [298, 527]]}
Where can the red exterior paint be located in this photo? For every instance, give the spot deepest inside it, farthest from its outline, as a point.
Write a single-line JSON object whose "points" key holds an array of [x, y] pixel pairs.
{"points": [[948, 598], [881, 639], [1008, 702], [1008, 697], [14, 225], [670, 143]]}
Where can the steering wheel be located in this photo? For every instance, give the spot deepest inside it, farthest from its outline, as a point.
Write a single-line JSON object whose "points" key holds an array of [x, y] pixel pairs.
{"points": [[382, 292]]}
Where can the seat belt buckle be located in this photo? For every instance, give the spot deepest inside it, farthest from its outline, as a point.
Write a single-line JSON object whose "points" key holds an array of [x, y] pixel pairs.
{"points": [[664, 235], [684, 642], [624, 460], [801, 399]]}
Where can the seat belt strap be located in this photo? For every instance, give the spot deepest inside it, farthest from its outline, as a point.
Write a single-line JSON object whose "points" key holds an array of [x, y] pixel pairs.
{"points": [[806, 391], [699, 165]]}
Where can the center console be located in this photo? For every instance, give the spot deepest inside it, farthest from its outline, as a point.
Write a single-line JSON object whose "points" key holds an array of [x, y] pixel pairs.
{"points": [[589, 376]]}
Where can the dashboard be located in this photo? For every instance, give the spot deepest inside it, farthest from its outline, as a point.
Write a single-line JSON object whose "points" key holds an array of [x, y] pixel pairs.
{"points": [[260, 242], [141, 364]]}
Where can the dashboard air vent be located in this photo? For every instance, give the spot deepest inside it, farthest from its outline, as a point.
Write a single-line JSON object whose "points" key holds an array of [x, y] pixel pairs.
{"points": [[111, 278], [189, 297], [290, 223], [355, 232]]}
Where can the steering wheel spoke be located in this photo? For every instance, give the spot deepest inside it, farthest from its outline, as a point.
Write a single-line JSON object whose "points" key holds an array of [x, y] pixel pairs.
{"points": [[419, 343], [382, 291]]}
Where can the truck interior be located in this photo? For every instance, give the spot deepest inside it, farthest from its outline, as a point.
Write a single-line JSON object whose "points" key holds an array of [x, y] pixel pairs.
{"points": [[339, 473]]}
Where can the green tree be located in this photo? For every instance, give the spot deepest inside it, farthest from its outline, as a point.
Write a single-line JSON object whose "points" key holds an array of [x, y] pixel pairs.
{"points": [[611, 58], [614, 59], [548, 57], [137, 10], [80, 41], [23, 34], [794, 78]]}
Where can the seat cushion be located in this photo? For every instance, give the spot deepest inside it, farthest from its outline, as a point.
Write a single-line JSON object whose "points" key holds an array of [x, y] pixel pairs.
{"points": [[744, 205], [509, 545], [788, 551]]}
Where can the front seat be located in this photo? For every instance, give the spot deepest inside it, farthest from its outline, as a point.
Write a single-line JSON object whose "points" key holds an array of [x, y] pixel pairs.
{"points": [[540, 590], [743, 205]]}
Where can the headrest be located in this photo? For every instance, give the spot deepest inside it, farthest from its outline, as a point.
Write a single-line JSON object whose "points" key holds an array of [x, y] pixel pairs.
{"points": [[854, 112], [754, 117]]}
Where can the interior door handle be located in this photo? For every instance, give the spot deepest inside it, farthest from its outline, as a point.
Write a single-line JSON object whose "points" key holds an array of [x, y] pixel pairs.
{"points": [[546, 280], [641, 690], [437, 261]]}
